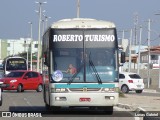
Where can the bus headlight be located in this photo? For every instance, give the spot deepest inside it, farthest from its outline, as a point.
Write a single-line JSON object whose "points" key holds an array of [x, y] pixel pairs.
{"points": [[109, 97], [116, 89], [58, 90]]}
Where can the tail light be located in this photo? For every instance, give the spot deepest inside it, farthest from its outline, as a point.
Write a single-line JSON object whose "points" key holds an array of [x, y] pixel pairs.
{"points": [[130, 81]]}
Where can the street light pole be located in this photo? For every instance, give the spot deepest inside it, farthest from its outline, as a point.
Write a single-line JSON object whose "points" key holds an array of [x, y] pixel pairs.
{"points": [[31, 43], [46, 21], [39, 34]]}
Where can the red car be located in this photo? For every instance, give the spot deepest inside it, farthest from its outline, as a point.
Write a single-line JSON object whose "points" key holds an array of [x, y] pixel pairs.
{"points": [[21, 80]]}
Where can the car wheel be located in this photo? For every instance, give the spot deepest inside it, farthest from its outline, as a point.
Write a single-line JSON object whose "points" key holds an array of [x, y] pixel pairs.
{"points": [[125, 89], [19, 88], [139, 91], [40, 88]]}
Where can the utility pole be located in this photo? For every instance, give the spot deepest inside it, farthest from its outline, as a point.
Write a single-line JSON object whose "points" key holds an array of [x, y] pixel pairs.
{"points": [[31, 43], [130, 57], [139, 48], [135, 28], [159, 63], [78, 8], [149, 62]]}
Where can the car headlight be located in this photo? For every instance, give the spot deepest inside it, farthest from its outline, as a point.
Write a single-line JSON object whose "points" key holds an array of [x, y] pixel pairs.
{"points": [[12, 81]]}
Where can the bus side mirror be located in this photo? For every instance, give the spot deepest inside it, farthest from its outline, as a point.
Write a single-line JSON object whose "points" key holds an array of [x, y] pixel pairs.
{"points": [[122, 57]]}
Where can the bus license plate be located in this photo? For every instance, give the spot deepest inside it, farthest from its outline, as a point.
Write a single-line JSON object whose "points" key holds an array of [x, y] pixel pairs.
{"points": [[84, 99]]}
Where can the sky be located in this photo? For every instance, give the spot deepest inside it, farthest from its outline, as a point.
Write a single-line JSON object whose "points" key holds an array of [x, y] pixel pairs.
{"points": [[15, 15]]}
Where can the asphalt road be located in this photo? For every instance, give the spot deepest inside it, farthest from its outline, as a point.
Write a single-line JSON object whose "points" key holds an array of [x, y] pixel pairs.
{"points": [[32, 102]]}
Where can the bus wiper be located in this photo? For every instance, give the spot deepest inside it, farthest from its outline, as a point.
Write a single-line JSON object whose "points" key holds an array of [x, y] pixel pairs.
{"points": [[95, 71], [74, 76]]}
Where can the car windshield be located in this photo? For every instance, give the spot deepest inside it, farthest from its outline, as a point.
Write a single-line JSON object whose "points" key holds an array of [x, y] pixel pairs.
{"points": [[134, 76], [15, 74]]}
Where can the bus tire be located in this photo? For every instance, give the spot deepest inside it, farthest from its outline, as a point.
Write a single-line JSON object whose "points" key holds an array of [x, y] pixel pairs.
{"points": [[39, 88], [19, 88]]}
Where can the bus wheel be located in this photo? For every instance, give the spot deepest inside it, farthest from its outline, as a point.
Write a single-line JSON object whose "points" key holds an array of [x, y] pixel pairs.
{"points": [[19, 88], [40, 88]]}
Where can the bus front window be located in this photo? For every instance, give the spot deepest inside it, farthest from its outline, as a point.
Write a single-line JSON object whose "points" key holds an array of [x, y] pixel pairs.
{"points": [[76, 65]]}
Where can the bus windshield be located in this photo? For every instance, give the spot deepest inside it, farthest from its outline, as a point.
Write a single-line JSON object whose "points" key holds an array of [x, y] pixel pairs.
{"points": [[84, 56], [98, 64]]}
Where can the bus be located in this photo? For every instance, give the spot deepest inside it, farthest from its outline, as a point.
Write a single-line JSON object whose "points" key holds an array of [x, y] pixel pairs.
{"points": [[89, 46], [14, 63]]}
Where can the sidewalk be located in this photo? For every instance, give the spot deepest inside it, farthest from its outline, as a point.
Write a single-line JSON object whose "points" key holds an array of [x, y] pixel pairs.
{"points": [[152, 90], [134, 102]]}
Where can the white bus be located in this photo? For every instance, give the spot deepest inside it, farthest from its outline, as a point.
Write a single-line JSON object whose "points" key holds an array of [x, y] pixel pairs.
{"points": [[90, 48], [14, 63]]}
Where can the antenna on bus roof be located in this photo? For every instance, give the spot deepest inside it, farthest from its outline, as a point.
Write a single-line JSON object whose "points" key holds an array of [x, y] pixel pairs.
{"points": [[78, 8]]}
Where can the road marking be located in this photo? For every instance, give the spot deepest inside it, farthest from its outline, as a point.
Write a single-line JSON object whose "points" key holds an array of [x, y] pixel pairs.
{"points": [[25, 99], [14, 103]]}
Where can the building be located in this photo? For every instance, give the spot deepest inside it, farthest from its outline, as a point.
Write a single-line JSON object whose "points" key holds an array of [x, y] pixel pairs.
{"points": [[154, 58], [15, 46]]}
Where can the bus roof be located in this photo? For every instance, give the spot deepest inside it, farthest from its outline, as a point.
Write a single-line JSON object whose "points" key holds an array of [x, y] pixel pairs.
{"points": [[82, 23]]}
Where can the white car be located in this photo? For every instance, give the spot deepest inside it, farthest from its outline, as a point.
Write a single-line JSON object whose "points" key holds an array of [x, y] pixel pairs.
{"points": [[130, 82]]}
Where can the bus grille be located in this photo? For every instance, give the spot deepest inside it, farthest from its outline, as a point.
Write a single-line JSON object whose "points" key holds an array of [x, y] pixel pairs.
{"points": [[84, 89]]}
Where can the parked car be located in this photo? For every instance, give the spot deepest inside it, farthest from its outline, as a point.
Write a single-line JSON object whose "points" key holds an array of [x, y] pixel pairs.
{"points": [[130, 82], [21, 80]]}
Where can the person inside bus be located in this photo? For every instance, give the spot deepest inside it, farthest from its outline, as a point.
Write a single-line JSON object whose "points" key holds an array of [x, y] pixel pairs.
{"points": [[71, 69]]}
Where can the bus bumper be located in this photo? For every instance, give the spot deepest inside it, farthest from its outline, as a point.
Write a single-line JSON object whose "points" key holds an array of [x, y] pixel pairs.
{"points": [[83, 99]]}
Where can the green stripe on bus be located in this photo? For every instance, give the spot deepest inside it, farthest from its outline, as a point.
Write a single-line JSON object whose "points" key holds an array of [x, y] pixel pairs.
{"points": [[84, 85]]}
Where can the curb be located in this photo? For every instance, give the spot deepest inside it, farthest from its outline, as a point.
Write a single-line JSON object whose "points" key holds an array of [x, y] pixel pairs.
{"points": [[140, 110], [131, 108], [125, 106], [150, 90]]}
